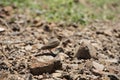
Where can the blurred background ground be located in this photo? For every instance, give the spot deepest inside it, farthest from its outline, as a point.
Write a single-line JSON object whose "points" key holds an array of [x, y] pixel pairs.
{"points": [[68, 11]]}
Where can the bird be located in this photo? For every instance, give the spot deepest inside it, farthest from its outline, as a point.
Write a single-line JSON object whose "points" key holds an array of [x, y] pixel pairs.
{"points": [[52, 43]]}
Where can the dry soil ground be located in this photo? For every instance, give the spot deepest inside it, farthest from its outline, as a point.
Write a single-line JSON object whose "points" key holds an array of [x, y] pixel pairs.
{"points": [[90, 53]]}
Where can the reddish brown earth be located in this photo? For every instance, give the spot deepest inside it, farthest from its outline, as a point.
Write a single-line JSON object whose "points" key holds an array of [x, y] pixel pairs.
{"points": [[90, 53]]}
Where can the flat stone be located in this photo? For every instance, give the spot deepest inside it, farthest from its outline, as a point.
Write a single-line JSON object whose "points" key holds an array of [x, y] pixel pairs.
{"points": [[38, 67]]}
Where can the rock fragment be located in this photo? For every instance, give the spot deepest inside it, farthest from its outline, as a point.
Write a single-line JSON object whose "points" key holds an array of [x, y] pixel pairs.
{"points": [[39, 67], [85, 51]]}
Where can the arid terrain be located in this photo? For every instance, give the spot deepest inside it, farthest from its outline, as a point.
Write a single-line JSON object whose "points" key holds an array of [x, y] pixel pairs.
{"points": [[81, 53]]}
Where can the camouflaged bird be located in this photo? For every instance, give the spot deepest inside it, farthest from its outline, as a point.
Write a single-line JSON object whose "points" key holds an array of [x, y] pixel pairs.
{"points": [[51, 44]]}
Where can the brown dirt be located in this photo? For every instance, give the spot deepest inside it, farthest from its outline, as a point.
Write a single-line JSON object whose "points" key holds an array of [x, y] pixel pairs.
{"points": [[92, 53]]}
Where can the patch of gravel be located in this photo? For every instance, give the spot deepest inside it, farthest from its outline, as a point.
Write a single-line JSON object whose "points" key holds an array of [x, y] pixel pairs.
{"points": [[92, 53]]}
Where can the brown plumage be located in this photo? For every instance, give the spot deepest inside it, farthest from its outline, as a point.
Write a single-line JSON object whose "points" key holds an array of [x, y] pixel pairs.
{"points": [[51, 44]]}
